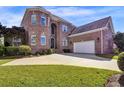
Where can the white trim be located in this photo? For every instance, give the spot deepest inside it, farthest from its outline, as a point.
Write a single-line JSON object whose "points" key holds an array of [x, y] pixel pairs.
{"points": [[101, 42], [91, 31]]}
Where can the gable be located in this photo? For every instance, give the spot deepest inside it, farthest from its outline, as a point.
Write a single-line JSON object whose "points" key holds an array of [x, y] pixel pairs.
{"points": [[92, 26]]}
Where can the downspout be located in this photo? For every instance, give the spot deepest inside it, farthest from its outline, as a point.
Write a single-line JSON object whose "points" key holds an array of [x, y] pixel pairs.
{"points": [[101, 41]]}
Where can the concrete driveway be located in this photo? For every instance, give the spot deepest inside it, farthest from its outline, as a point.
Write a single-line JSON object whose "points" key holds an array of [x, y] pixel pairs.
{"points": [[83, 60]]}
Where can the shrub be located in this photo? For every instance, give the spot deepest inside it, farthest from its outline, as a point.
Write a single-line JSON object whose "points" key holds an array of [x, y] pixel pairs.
{"points": [[2, 50], [116, 51], [66, 50], [50, 51], [43, 52], [24, 50], [12, 50], [121, 61]]}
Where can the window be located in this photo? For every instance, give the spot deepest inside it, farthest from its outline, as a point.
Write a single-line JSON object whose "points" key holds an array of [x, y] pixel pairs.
{"points": [[65, 42], [64, 28], [33, 39], [43, 20], [33, 19], [43, 40]]}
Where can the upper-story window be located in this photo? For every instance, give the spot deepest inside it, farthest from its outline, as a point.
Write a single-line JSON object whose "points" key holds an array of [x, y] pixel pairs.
{"points": [[43, 20], [64, 28], [33, 19]]}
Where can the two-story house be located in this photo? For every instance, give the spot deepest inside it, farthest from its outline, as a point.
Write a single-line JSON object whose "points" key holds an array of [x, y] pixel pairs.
{"points": [[46, 30]]}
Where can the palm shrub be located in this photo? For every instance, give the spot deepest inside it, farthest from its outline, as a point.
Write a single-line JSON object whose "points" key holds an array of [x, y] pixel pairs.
{"points": [[116, 51], [121, 61], [24, 50], [2, 50]]}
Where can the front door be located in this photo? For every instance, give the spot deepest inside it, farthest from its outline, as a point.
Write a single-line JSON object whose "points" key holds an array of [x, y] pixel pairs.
{"points": [[52, 43]]}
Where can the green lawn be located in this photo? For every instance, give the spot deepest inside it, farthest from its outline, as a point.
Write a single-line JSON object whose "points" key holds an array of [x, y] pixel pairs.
{"points": [[53, 75], [7, 59], [111, 56]]}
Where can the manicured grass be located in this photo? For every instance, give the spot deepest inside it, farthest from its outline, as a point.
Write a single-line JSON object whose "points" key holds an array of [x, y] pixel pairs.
{"points": [[111, 56], [3, 61], [53, 75], [7, 59]]}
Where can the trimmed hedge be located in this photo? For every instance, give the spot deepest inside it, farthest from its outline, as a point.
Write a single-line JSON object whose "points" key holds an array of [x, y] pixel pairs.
{"points": [[24, 50], [121, 61], [12, 51]]}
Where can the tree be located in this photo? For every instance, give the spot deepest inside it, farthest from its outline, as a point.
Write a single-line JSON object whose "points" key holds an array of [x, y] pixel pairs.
{"points": [[119, 41], [14, 31]]}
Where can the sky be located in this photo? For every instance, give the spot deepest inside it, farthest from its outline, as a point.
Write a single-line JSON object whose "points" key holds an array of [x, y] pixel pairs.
{"points": [[77, 15]]}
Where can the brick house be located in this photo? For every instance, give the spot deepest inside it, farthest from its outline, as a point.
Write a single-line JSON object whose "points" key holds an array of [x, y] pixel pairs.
{"points": [[46, 30]]}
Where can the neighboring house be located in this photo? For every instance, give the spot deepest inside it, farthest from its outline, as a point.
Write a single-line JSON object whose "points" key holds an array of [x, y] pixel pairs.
{"points": [[14, 36], [45, 30], [1, 39]]}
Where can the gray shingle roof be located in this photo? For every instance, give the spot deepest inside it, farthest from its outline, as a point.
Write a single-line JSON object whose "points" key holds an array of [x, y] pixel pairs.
{"points": [[91, 26]]}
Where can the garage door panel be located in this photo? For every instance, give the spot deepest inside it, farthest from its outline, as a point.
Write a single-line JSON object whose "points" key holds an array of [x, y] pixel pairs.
{"points": [[84, 47]]}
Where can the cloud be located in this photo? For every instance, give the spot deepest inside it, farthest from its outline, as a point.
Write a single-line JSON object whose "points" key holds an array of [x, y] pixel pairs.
{"points": [[71, 11], [10, 18]]}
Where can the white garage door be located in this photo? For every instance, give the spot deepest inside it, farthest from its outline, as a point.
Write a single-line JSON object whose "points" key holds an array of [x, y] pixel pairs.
{"points": [[84, 47]]}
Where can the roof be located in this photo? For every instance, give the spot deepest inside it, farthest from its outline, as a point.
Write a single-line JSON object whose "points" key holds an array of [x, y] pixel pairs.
{"points": [[57, 18], [91, 26], [54, 17]]}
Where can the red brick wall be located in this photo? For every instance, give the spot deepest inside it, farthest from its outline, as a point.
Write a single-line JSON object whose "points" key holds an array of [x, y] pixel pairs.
{"points": [[39, 30], [107, 41]]}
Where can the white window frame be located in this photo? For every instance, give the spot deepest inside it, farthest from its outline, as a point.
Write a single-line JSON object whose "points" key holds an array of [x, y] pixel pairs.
{"points": [[34, 41], [64, 42], [64, 28], [43, 36], [34, 19], [43, 17]]}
